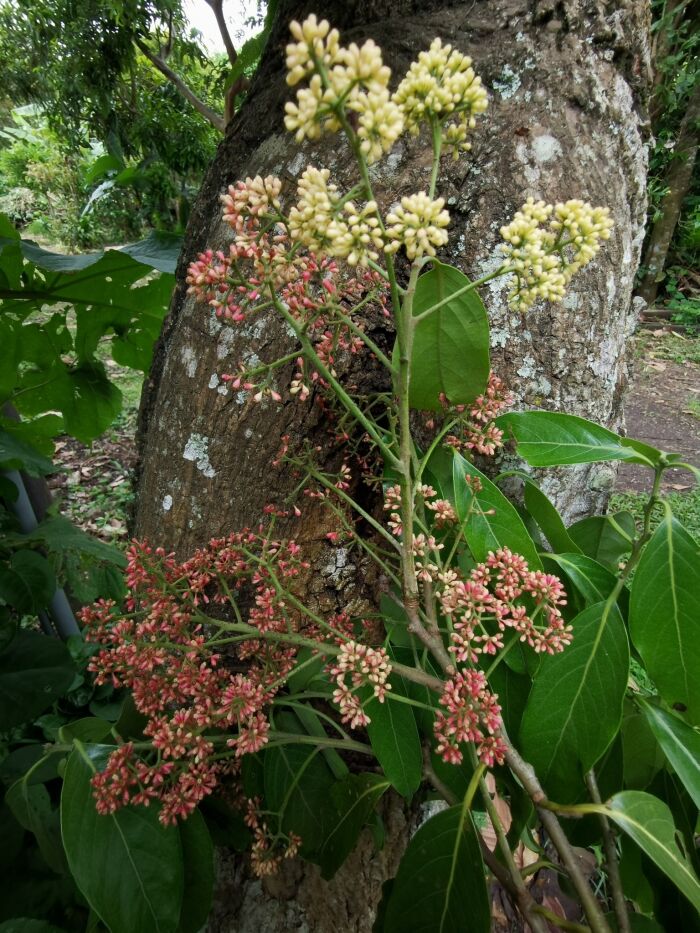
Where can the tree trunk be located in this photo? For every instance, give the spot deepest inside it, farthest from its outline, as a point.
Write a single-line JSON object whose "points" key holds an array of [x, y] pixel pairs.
{"points": [[678, 179], [565, 80]]}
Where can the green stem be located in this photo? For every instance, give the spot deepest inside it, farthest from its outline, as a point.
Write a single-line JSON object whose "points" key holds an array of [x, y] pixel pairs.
{"points": [[338, 389]]}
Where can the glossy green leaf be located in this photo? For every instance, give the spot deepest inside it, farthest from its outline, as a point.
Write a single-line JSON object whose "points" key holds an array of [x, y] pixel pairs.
{"points": [[575, 707], [649, 823], [128, 866], [298, 784], [451, 345], [355, 799], [27, 583], [87, 730], [605, 538], [198, 862], [548, 518], [593, 581], [681, 745], [17, 454], [547, 438], [393, 735], [35, 669], [441, 885], [489, 520], [664, 615]]}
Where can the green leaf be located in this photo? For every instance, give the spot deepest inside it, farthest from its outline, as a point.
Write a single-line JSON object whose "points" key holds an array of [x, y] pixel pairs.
{"points": [[663, 615], [593, 581], [547, 438], [641, 756], [575, 707], [680, 744], [95, 404], [298, 784], [355, 799], [89, 729], [548, 519], [441, 884], [15, 454], [198, 861], [128, 866], [393, 735], [35, 669], [451, 346], [28, 582], [489, 520], [31, 807], [605, 538], [60, 535], [649, 822]]}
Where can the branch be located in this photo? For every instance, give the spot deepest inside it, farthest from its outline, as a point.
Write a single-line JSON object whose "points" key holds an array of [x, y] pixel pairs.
{"points": [[210, 115], [217, 7]]}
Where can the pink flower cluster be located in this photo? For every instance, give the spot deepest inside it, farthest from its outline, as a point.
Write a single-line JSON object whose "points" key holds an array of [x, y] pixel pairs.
{"points": [[363, 666], [261, 266], [164, 651], [501, 594], [472, 715], [268, 849], [476, 431]]}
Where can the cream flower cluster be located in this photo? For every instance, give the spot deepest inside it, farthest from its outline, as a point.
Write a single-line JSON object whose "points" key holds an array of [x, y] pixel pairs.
{"points": [[544, 258], [418, 223], [316, 42], [442, 83], [355, 75], [252, 198], [326, 226]]}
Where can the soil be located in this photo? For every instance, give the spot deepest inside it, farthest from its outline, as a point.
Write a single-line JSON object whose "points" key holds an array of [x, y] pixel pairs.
{"points": [[662, 409]]}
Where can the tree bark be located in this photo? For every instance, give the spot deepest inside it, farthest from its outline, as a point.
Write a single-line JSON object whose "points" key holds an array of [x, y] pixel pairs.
{"points": [[678, 179], [567, 81]]}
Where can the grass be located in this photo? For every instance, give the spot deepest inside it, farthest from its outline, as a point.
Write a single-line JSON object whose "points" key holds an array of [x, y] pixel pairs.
{"points": [[678, 348], [692, 407], [684, 505]]}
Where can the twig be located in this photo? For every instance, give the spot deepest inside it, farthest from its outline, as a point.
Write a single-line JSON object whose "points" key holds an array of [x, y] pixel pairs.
{"points": [[611, 860]]}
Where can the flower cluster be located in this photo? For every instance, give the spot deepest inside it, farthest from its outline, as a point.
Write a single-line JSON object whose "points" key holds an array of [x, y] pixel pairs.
{"points": [[472, 715], [268, 849], [162, 649], [324, 224], [365, 666], [547, 244], [354, 79], [418, 223], [499, 594], [439, 86], [475, 430], [251, 199]]}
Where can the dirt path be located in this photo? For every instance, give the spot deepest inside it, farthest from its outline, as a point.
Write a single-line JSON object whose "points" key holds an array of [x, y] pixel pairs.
{"points": [[663, 407]]}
